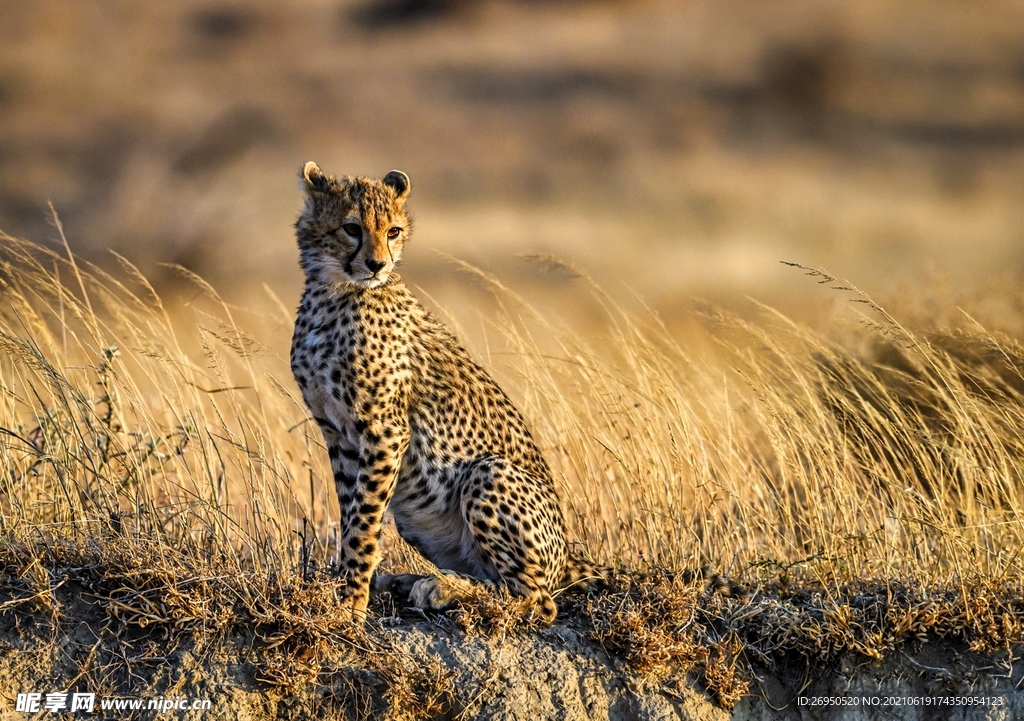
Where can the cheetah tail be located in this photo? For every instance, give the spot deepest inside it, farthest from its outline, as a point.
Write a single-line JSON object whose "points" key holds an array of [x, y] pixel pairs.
{"points": [[715, 582], [582, 575]]}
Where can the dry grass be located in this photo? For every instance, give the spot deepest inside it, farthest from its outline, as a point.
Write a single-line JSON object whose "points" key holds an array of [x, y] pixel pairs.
{"points": [[109, 421], [662, 626], [867, 490], [886, 454], [658, 624]]}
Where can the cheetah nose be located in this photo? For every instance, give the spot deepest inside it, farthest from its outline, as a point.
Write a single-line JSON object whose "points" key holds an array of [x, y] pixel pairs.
{"points": [[374, 265]]}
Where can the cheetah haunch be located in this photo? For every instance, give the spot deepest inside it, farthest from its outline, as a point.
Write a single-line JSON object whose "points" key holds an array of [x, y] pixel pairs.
{"points": [[412, 424]]}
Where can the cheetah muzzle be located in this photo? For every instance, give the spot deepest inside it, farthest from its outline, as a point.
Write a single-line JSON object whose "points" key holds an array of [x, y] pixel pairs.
{"points": [[411, 423]]}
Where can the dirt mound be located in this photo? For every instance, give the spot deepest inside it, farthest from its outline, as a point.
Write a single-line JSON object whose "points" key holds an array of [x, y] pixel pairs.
{"points": [[429, 667]]}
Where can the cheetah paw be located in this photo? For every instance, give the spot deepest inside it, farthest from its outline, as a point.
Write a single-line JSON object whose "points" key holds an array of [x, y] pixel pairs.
{"points": [[398, 585], [430, 593], [438, 593]]}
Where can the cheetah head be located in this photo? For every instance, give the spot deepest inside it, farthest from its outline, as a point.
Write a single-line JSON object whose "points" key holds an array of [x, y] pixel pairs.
{"points": [[352, 230]]}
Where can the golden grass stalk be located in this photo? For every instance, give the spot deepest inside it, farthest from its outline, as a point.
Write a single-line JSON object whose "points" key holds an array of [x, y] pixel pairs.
{"points": [[893, 454], [109, 419]]}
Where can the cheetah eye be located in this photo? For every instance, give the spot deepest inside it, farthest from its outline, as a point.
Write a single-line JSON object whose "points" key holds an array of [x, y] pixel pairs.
{"points": [[353, 230], [393, 233]]}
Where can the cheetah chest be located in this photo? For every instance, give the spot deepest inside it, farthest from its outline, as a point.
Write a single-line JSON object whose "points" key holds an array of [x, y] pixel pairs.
{"points": [[352, 366]]}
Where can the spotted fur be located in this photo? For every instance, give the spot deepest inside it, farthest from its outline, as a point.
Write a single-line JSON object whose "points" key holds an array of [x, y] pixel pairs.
{"points": [[412, 424]]}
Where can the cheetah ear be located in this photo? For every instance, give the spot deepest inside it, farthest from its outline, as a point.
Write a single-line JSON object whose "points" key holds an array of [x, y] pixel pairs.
{"points": [[399, 181], [315, 180]]}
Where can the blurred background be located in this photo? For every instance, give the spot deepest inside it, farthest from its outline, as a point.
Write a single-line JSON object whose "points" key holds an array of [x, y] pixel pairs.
{"points": [[672, 149]]}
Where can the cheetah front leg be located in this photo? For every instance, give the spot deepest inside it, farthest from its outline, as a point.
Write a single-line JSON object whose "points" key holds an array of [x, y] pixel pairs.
{"points": [[365, 481]]}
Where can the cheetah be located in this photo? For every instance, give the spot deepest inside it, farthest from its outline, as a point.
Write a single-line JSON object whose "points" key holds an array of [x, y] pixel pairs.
{"points": [[412, 425]]}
